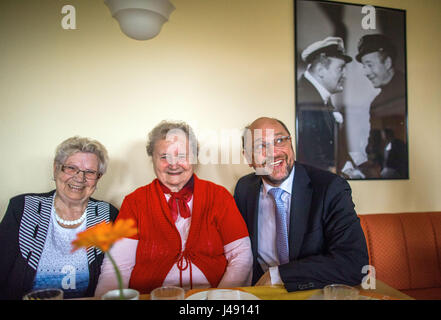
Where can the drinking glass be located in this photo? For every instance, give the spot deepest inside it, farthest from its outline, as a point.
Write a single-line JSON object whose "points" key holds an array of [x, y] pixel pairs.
{"points": [[340, 292], [45, 294], [167, 293]]}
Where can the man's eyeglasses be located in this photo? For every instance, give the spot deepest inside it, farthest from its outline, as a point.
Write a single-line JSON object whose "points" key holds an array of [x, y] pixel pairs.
{"points": [[278, 142], [73, 170]]}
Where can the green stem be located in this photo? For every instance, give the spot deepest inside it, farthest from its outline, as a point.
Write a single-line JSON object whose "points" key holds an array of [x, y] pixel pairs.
{"points": [[118, 275]]}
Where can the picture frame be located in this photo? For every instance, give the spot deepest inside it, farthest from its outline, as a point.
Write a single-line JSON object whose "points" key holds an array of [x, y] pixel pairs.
{"points": [[351, 89]]}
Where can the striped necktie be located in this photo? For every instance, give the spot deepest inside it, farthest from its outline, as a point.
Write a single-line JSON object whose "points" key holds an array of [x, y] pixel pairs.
{"points": [[281, 225]]}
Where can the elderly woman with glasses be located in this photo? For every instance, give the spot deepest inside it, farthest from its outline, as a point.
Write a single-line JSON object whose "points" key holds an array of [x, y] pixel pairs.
{"points": [[190, 232], [38, 228]]}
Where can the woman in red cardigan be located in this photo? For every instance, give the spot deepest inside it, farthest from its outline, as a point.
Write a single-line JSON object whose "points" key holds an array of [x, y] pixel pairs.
{"points": [[190, 232]]}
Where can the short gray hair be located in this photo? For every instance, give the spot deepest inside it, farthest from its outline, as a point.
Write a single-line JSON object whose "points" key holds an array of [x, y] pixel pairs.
{"points": [[162, 129], [76, 144]]}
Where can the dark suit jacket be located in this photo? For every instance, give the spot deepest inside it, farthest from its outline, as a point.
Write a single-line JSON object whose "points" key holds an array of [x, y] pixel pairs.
{"points": [[326, 242], [388, 116], [320, 141]]}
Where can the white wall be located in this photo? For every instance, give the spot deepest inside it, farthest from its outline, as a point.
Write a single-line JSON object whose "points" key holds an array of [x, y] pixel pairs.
{"points": [[217, 64]]}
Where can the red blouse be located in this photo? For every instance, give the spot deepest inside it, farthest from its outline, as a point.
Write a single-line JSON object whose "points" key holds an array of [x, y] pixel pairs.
{"points": [[216, 221]]}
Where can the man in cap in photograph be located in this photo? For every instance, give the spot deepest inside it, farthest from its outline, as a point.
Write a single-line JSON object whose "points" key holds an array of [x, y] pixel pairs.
{"points": [[320, 133], [387, 147]]}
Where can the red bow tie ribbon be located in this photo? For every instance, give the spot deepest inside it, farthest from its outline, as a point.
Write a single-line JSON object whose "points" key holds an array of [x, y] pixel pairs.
{"points": [[179, 199]]}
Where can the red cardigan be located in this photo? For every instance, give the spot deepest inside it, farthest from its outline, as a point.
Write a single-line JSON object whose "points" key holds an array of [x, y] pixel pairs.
{"points": [[216, 221]]}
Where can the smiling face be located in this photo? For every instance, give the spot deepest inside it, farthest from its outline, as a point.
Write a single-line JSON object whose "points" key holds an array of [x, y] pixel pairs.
{"points": [[275, 162], [76, 188], [171, 162], [377, 69]]}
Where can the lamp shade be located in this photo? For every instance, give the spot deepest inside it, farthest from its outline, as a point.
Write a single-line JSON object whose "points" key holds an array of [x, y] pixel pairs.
{"points": [[140, 19]]}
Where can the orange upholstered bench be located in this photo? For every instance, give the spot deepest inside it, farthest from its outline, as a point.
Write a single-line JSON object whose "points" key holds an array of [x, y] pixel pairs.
{"points": [[405, 249]]}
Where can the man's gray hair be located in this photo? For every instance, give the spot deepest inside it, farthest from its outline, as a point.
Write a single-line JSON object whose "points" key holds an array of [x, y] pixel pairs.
{"points": [[76, 144], [165, 127]]}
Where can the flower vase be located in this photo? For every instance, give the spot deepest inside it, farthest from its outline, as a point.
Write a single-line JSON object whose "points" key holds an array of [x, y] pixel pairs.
{"points": [[128, 294]]}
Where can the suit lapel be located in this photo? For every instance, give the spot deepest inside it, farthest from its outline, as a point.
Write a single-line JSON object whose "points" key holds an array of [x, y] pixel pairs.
{"points": [[314, 102], [253, 212], [34, 227], [300, 205], [97, 212]]}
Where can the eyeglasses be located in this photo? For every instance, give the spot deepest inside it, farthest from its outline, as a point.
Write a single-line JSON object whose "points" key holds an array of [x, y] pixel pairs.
{"points": [[73, 170], [278, 142], [180, 158]]}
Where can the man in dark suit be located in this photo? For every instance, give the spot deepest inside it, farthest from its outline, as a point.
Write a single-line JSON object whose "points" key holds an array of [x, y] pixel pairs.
{"points": [[321, 138], [387, 143], [304, 231]]}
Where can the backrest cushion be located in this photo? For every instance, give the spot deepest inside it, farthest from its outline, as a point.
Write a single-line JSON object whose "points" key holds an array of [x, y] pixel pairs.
{"points": [[405, 248]]}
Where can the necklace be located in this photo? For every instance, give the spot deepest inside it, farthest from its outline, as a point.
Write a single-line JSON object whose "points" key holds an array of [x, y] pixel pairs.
{"points": [[71, 222]]}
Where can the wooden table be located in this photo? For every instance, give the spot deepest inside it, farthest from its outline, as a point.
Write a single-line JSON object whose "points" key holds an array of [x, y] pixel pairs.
{"points": [[382, 292], [387, 291]]}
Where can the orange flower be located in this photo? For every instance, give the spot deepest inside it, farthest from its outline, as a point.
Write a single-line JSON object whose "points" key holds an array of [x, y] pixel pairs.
{"points": [[104, 235]]}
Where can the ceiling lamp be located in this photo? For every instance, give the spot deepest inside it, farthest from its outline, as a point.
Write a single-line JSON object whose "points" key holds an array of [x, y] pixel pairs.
{"points": [[140, 19]]}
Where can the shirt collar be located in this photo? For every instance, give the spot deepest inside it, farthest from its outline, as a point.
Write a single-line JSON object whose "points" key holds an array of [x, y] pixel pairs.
{"points": [[322, 90], [285, 186]]}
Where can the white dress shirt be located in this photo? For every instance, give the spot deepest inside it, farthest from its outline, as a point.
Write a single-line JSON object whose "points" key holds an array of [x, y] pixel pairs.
{"points": [[267, 250]]}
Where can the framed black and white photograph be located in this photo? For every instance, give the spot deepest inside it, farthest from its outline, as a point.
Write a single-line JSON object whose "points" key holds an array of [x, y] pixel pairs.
{"points": [[351, 89]]}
